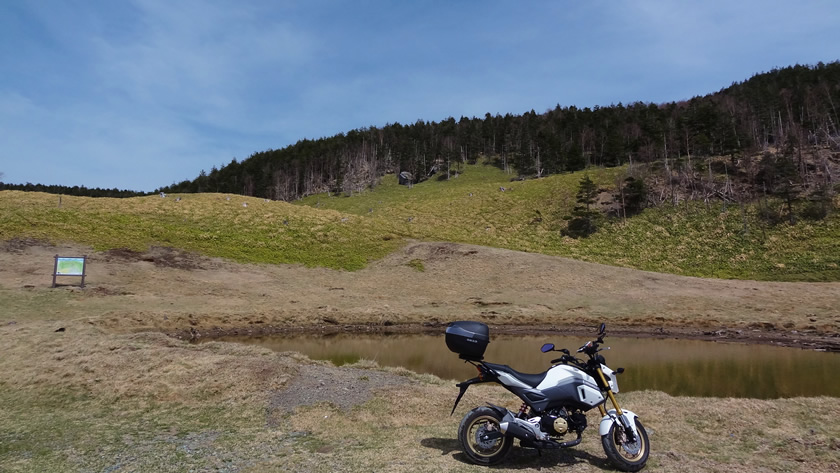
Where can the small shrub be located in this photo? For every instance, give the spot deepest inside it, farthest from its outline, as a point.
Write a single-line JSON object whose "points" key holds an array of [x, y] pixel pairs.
{"points": [[814, 210], [768, 215], [580, 227], [416, 264]]}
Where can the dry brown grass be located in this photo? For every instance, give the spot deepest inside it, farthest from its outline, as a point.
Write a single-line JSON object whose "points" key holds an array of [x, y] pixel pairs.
{"points": [[151, 392], [111, 393], [146, 366], [409, 430]]}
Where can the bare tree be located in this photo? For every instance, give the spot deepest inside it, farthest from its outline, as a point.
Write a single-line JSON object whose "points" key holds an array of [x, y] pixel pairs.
{"points": [[534, 151]]}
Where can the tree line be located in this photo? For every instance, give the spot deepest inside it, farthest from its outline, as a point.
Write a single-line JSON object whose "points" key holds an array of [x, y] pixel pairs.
{"points": [[793, 108], [80, 191]]}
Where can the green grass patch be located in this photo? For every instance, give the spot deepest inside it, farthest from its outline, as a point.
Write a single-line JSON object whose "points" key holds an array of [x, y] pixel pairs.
{"points": [[481, 206], [417, 264], [694, 240]]}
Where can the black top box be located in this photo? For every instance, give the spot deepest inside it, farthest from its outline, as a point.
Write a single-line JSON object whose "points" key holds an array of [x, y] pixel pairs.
{"points": [[468, 339]]}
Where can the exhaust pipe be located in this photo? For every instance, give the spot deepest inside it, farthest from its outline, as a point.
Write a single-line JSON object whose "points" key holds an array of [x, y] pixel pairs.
{"points": [[529, 437], [517, 430]]}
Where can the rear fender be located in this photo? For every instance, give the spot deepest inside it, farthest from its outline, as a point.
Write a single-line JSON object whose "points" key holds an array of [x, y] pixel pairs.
{"points": [[463, 386], [504, 414]]}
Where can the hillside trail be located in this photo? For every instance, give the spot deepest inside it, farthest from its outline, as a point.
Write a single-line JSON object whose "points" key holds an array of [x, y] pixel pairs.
{"points": [[420, 287]]}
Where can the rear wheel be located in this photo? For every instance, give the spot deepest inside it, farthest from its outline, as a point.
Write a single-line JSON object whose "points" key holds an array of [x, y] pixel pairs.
{"points": [[626, 455], [482, 439]]}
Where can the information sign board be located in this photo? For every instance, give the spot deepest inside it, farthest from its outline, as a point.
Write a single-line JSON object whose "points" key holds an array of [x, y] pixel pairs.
{"points": [[69, 266]]}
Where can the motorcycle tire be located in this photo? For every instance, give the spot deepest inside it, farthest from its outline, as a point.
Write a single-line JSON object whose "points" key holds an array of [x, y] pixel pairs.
{"points": [[617, 452], [474, 425]]}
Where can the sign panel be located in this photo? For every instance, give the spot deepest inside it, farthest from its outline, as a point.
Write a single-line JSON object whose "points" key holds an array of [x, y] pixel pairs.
{"points": [[70, 266]]}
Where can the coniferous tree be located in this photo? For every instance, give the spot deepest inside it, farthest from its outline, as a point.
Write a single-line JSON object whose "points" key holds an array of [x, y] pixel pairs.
{"points": [[633, 196], [584, 218]]}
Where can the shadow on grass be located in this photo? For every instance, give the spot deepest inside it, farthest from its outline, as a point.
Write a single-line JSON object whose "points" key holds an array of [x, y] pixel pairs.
{"points": [[521, 458]]}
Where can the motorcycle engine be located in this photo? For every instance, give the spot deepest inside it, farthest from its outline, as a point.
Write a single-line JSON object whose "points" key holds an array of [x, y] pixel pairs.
{"points": [[555, 422], [578, 421], [558, 421]]}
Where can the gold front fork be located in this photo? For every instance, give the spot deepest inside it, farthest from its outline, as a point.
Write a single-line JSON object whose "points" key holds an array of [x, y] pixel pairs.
{"points": [[610, 395]]}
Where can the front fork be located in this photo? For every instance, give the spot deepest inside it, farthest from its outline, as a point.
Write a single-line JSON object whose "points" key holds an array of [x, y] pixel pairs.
{"points": [[610, 394], [626, 418]]}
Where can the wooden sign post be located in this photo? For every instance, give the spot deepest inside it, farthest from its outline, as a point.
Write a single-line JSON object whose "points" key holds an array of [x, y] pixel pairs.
{"points": [[69, 266]]}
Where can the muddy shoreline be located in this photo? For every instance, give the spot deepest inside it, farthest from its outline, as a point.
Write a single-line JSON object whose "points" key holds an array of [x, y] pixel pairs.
{"points": [[193, 297], [792, 339]]}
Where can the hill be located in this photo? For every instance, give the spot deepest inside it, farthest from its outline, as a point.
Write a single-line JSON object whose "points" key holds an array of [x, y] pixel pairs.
{"points": [[481, 206], [789, 108]]}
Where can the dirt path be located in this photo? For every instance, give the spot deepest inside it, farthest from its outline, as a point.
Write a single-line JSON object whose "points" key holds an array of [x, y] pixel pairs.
{"points": [[421, 287]]}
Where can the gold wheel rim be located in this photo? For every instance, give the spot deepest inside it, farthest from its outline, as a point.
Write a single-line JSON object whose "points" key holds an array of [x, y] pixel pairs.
{"points": [[472, 433], [624, 453]]}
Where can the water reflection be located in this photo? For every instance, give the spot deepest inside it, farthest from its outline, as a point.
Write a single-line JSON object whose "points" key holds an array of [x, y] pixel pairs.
{"points": [[677, 367]]}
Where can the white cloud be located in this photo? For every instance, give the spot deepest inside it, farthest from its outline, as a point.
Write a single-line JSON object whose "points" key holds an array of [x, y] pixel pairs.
{"points": [[140, 94]]}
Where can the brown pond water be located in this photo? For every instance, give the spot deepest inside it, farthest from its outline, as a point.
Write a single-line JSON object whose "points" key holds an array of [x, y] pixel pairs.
{"points": [[677, 367]]}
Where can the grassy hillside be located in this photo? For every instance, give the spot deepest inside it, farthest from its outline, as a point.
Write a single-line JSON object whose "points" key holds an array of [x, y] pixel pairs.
{"points": [[212, 224], [472, 208], [349, 232], [691, 239]]}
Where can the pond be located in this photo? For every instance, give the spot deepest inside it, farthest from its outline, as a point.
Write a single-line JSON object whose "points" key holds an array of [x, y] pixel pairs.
{"points": [[677, 367]]}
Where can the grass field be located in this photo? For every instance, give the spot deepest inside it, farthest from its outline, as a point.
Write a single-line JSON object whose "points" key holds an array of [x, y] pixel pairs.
{"points": [[349, 232]]}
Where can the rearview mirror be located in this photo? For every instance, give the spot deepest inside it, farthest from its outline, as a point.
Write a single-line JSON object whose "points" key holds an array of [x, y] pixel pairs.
{"points": [[547, 347], [603, 329]]}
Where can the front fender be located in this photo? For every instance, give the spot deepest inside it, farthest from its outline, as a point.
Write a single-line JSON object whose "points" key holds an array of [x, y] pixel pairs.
{"points": [[628, 418]]}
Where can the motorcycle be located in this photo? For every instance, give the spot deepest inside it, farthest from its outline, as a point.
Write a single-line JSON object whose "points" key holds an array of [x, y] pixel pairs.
{"points": [[553, 403]]}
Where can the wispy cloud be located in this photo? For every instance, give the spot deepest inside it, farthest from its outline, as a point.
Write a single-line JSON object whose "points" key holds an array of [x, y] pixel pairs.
{"points": [[141, 93]]}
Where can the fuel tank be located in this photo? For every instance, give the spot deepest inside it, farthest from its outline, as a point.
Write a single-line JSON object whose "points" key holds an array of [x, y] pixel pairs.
{"points": [[565, 384]]}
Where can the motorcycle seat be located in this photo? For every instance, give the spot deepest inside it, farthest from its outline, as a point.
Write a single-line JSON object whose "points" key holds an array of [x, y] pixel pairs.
{"points": [[532, 380]]}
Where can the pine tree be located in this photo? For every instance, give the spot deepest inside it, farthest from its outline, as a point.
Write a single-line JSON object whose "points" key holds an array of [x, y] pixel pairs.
{"points": [[633, 196], [584, 218]]}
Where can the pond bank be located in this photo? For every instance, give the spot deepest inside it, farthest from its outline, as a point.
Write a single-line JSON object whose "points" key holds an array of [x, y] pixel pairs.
{"points": [[755, 334]]}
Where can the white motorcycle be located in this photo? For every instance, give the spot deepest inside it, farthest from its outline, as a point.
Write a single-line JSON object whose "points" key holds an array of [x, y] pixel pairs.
{"points": [[553, 403]]}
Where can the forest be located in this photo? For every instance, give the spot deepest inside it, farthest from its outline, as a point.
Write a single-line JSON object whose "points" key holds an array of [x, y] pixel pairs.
{"points": [[779, 116], [80, 191]]}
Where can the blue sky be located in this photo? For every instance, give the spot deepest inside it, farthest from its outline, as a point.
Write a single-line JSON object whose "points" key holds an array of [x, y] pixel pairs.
{"points": [[138, 94]]}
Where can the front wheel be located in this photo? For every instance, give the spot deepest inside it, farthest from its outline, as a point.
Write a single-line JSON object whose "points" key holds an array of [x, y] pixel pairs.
{"points": [[481, 437], [626, 455]]}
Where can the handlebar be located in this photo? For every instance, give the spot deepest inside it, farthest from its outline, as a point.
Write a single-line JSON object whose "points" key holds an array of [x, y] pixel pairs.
{"points": [[568, 359], [590, 348]]}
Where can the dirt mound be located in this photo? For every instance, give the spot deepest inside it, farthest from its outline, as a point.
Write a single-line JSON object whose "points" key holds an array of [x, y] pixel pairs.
{"points": [[161, 256], [19, 245]]}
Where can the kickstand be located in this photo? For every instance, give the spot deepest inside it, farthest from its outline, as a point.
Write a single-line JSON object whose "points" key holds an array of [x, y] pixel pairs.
{"points": [[539, 453]]}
